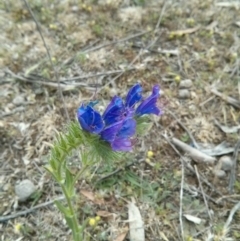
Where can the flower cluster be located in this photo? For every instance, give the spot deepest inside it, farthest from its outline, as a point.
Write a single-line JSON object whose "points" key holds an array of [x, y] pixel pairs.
{"points": [[117, 125]]}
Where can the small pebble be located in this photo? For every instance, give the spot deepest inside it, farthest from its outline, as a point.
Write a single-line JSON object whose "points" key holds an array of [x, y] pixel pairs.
{"points": [[18, 100], [184, 94], [226, 163], [185, 84], [219, 173], [24, 190]]}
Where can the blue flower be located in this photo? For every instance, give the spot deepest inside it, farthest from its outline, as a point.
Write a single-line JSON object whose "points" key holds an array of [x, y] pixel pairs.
{"points": [[119, 134], [90, 120], [122, 144], [134, 95], [149, 105], [117, 125], [114, 111]]}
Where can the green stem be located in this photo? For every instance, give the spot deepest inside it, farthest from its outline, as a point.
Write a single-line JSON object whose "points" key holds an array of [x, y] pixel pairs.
{"points": [[76, 231]]}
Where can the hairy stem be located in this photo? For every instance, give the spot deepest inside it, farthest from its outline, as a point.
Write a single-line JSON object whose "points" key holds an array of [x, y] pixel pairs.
{"points": [[76, 229]]}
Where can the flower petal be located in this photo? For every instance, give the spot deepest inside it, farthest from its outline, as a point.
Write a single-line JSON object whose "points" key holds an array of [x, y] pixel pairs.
{"points": [[110, 132], [134, 95], [114, 111], [149, 105], [122, 144], [89, 119], [128, 128]]}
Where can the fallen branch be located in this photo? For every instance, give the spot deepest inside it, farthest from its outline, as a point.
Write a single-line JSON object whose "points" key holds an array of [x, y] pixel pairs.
{"points": [[230, 100], [195, 154], [30, 210], [232, 178]]}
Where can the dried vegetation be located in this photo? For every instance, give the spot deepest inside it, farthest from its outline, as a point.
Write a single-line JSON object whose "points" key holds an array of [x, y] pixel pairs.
{"points": [[99, 49]]}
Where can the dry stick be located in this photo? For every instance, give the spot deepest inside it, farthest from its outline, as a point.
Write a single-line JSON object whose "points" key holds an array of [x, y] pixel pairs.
{"points": [[194, 153], [119, 170], [228, 99], [110, 43], [61, 85], [96, 74], [181, 202], [203, 193], [228, 197], [230, 217], [190, 167], [18, 109], [158, 24], [30, 210], [140, 52], [184, 127], [50, 58], [232, 178], [130, 65]]}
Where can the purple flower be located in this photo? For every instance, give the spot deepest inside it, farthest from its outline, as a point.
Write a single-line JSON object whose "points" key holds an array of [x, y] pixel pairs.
{"points": [[122, 144], [110, 132], [134, 95], [116, 111], [90, 120], [117, 125], [149, 105], [119, 134]]}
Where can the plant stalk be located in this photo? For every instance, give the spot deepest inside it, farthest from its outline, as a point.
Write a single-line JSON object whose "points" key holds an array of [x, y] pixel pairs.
{"points": [[76, 232]]}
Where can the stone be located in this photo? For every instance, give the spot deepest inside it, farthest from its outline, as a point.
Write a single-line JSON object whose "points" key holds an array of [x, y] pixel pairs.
{"points": [[24, 190], [219, 173], [226, 163], [184, 94], [185, 84]]}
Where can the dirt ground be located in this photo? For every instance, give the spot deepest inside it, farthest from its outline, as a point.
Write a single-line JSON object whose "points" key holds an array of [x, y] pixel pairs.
{"points": [[98, 49]]}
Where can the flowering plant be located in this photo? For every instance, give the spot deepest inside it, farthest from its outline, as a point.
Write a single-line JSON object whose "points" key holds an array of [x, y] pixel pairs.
{"points": [[101, 137], [117, 125]]}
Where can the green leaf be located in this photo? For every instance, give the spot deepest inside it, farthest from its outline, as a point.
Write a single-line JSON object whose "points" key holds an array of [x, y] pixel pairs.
{"points": [[144, 128], [62, 209], [53, 173], [69, 182]]}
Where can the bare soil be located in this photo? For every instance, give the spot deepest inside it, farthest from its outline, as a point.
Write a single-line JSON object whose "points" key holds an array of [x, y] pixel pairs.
{"points": [[100, 49]]}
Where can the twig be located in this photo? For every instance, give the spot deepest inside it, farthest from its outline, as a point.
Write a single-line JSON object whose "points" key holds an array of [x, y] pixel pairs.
{"points": [[158, 25], [230, 217], [160, 16], [228, 99], [181, 203], [49, 57], [203, 193], [96, 74], [61, 83], [18, 109], [232, 178], [195, 154], [184, 127], [119, 170], [113, 80], [228, 197], [108, 44], [30, 210], [204, 180]]}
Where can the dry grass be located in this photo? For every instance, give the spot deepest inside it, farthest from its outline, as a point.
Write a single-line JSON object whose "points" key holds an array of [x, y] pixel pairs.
{"points": [[195, 40]]}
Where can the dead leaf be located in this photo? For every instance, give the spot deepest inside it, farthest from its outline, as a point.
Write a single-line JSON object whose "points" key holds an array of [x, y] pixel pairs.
{"points": [[104, 214], [219, 150], [163, 236], [90, 195], [185, 31], [193, 219], [226, 129], [136, 226], [121, 236]]}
